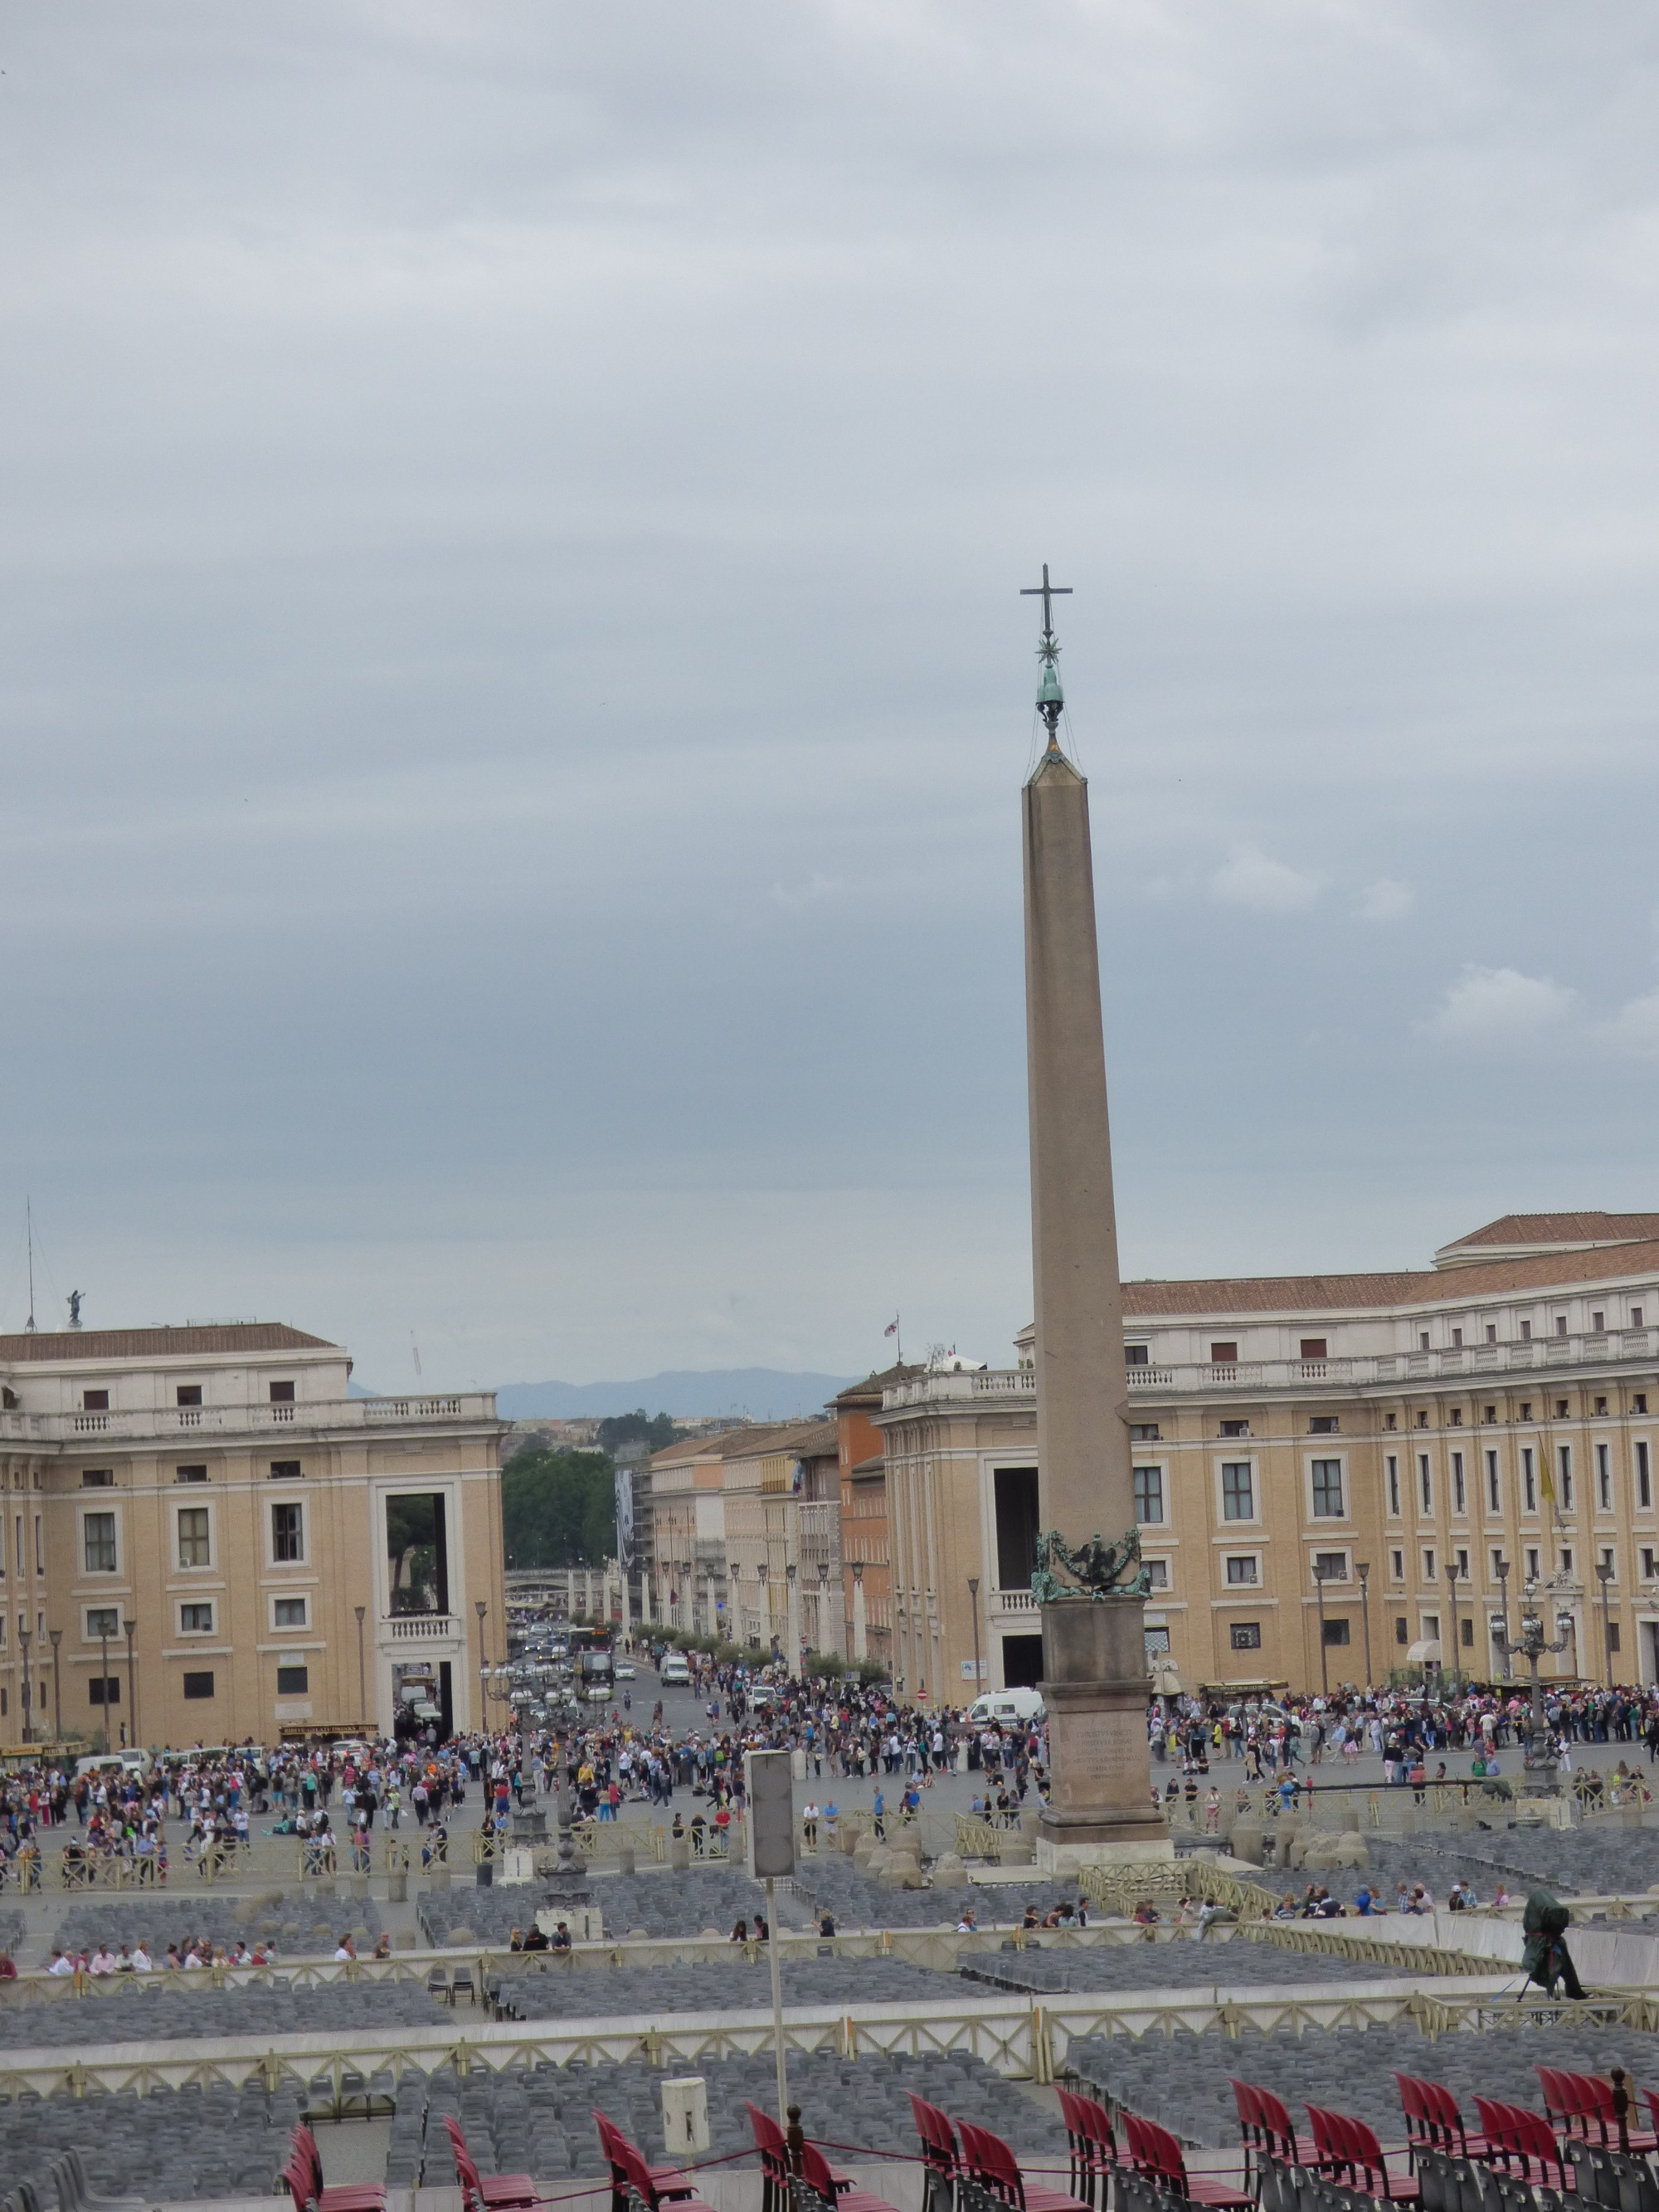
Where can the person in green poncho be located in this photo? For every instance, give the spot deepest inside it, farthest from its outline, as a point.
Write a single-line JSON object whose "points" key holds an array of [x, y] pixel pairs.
{"points": [[1544, 1924]]}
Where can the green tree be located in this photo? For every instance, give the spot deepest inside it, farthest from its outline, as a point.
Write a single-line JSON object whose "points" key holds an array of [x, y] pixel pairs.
{"points": [[654, 1431], [558, 1508]]}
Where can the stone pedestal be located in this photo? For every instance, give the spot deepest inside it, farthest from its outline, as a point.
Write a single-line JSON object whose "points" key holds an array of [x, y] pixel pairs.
{"points": [[1100, 1805]]}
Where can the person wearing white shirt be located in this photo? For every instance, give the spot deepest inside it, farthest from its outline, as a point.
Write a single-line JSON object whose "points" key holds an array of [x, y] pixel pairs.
{"points": [[141, 1960], [59, 1964]]}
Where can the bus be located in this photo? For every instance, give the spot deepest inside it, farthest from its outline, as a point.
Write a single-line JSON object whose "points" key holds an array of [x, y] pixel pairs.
{"points": [[593, 1659]]}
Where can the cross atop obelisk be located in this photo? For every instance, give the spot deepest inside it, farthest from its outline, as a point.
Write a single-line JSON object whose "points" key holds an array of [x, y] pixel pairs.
{"points": [[1050, 698], [1095, 1679]]}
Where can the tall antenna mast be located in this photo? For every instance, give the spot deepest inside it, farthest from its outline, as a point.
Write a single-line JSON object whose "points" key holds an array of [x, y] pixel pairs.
{"points": [[28, 1217]]}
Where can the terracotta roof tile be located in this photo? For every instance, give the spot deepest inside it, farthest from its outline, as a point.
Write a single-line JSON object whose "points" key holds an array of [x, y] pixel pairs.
{"points": [[73, 1343], [1331, 1294], [1562, 1229]]}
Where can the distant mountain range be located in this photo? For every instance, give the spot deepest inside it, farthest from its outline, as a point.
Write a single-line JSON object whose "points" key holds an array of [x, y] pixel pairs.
{"points": [[764, 1394]]}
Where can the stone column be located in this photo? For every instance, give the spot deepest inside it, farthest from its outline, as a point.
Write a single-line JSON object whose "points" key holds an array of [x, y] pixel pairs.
{"points": [[1094, 1649]]}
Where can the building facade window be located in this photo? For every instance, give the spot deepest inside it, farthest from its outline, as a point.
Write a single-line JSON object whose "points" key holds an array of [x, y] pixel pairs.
{"points": [[1391, 1466], [1528, 1481], [1158, 1574], [195, 1620], [104, 1690], [1494, 1491], [1149, 1496], [102, 1620], [1336, 1631], [1246, 1636], [1244, 1569], [1424, 1483], [1564, 1463], [194, 1543], [1603, 1479], [290, 1613], [199, 1685], [97, 1478], [287, 1532], [1328, 1489], [1237, 1491], [289, 1470], [1330, 1566], [1460, 1502], [293, 1681], [98, 1543], [1644, 1476]]}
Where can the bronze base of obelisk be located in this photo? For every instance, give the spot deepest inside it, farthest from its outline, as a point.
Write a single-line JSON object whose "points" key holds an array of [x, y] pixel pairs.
{"points": [[1101, 1810]]}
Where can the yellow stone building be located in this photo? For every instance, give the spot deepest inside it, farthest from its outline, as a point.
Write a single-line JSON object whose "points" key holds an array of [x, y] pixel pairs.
{"points": [[1330, 1470], [288, 1556]]}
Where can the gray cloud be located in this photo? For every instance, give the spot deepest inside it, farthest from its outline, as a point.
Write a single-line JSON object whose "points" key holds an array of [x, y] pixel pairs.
{"points": [[513, 695]]}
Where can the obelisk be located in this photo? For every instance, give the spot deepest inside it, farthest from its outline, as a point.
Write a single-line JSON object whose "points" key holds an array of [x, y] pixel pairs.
{"points": [[1095, 1680]]}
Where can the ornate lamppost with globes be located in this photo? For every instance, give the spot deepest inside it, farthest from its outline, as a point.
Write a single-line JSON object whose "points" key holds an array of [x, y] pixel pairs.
{"points": [[1500, 1625], [1363, 1569], [1540, 1758], [103, 1661], [130, 1628], [1324, 1668], [1605, 1570]]}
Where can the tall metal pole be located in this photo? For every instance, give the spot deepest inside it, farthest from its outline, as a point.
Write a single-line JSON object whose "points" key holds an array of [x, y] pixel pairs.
{"points": [[57, 1637], [1363, 1569], [131, 1626], [23, 1636], [103, 1645], [1451, 1592], [1324, 1671], [972, 1594], [1501, 1568], [777, 2001], [1604, 1569], [362, 1679]]}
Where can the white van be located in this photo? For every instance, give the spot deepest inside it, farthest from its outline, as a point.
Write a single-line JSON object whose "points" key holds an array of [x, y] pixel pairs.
{"points": [[1008, 1708], [674, 1670]]}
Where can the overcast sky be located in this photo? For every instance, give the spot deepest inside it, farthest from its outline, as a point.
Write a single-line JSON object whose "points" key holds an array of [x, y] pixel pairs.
{"points": [[514, 693]]}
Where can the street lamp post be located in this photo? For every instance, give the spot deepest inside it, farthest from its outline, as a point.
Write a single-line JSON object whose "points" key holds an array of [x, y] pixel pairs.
{"points": [[1451, 1593], [1605, 1570], [103, 1683], [1324, 1670], [57, 1637], [362, 1679], [1363, 1569], [972, 1599], [131, 1627], [1533, 1646], [23, 1635], [823, 1600], [1501, 1569]]}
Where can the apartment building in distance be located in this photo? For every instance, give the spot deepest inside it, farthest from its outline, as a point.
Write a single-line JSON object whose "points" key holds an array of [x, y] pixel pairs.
{"points": [[288, 1556], [1336, 1475]]}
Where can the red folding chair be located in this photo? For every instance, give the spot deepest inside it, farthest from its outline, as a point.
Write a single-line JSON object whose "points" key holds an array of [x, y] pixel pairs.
{"points": [[834, 2189], [639, 2180], [939, 2153], [1535, 2139], [1599, 2099], [994, 2166], [344, 2197], [309, 2195], [656, 2185], [1450, 2135], [1497, 2128], [1093, 2145], [493, 2192], [1155, 2153], [1280, 2137], [1365, 2160]]}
